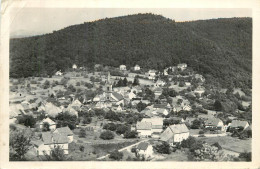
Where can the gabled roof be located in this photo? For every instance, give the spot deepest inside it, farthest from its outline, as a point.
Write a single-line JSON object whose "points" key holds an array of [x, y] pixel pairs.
{"points": [[154, 121], [143, 126], [54, 138], [237, 123], [158, 89], [64, 130], [52, 110], [163, 105], [142, 146], [117, 96], [48, 120], [212, 121], [172, 130]]}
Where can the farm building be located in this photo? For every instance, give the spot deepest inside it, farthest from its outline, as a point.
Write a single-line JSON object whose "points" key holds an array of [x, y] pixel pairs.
{"points": [[51, 124], [122, 67], [214, 124], [144, 129], [235, 124], [175, 133], [65, 131], [137, 67], [145, 149]]}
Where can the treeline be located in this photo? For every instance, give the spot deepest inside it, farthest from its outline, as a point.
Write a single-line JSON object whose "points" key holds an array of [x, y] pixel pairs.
{"points": [[220, 49]]}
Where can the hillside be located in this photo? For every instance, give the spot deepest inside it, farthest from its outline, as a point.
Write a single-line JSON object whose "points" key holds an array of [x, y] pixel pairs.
{"points": [[220, 49]]}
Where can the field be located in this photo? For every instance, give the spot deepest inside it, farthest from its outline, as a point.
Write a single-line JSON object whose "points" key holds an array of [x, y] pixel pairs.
{"points": [[230, 143]]}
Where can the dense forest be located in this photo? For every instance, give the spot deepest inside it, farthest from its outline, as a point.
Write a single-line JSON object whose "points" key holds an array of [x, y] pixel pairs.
{"points": [[220, 49]]}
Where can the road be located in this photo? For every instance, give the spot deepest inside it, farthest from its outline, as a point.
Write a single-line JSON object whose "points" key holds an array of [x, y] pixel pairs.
{"points": [[128, 148]]}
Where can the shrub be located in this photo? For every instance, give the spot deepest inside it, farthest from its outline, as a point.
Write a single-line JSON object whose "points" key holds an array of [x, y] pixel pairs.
{"points": [[107, 135], [116, 155], [82, 133], [130, 134], [201, 132], [163, 148]]}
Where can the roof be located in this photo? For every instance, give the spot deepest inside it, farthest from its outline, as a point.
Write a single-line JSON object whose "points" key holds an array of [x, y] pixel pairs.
{"points": [[212, 121], [142, 146], [172, 130], [154, 121], [143, 126], [37, 142], [71, 111], [117, 96], [237, 123], [48, 120], [64, 130], [52, 110], [161, 111], [163, 105], [158, 89]]}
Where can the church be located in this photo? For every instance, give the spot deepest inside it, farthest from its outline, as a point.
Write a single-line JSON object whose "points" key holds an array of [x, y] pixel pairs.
{"points": [[109, 97]]}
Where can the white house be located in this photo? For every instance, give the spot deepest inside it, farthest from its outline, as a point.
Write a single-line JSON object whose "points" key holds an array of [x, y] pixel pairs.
{"points": [[199, 90], [144, 129], [151, 74], [52, 110], [65, 131], [186, 107], [214, 124], [182, 66], [137, 67], [159, 83], [145, 149], [187, 84], [122, 67], [157, 123], [237, 123], [74, 66], [58, 73], [175, 133], [48, 142], [52, 124]]}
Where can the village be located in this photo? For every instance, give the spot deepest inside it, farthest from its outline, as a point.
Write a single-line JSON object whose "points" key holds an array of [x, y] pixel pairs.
{"points": [[128, 113]]}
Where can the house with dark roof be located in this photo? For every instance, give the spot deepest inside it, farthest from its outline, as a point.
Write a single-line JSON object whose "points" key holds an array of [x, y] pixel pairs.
{"points": [[65, 131], [157, 123], [145, 149], [175, 133], [49, 141], [214, 124]]}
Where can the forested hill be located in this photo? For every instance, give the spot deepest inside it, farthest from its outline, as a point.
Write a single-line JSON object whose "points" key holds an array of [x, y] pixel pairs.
{"points": [[220, 49]]}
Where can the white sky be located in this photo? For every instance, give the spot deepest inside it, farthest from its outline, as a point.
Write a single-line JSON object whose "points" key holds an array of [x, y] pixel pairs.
{"points": [[33, 21]]}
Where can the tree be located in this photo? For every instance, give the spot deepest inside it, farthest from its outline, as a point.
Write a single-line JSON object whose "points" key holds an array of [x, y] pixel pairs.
{"points": [[125, 82], [163, 148], [65, 119], [19, 145], [46, 127], [218, 105], [136, 81], [246, 156], [116, 155], [107, 135], [196, 124], [56, 154], [140, 106], [27, 120], [82, 133], [130, 134]]}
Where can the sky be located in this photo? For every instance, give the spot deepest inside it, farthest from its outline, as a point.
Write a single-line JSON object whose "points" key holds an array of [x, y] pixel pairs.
{"points": [[36, 21]]}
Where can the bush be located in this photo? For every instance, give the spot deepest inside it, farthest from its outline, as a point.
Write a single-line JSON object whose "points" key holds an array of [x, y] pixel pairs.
{"points": [[87, 120], [82, 133], [27, 120], [163, 148], [110, 126], [246, 156], [107, 135], [201, 132], [116, 155], [130, 134], [78, 84]]}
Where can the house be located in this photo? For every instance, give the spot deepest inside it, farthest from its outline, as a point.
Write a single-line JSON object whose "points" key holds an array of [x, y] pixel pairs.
{"points": [[49, 141], [74, 66], [235, 124], [159, 83], [136, 89], [70, 110], [175, 133], [187, 84], [144, 129], [144, 149], [137, 67], [52, 110], [214, 124], [51, 124], [163, 106], [151, 74], [65, 131], [76, 104], [157, 123], [199, 90], [200, 77], [162, 111], [182, 66], [158, 91], [58, 73], [122, 67], [186, 108], [131, 95]]}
